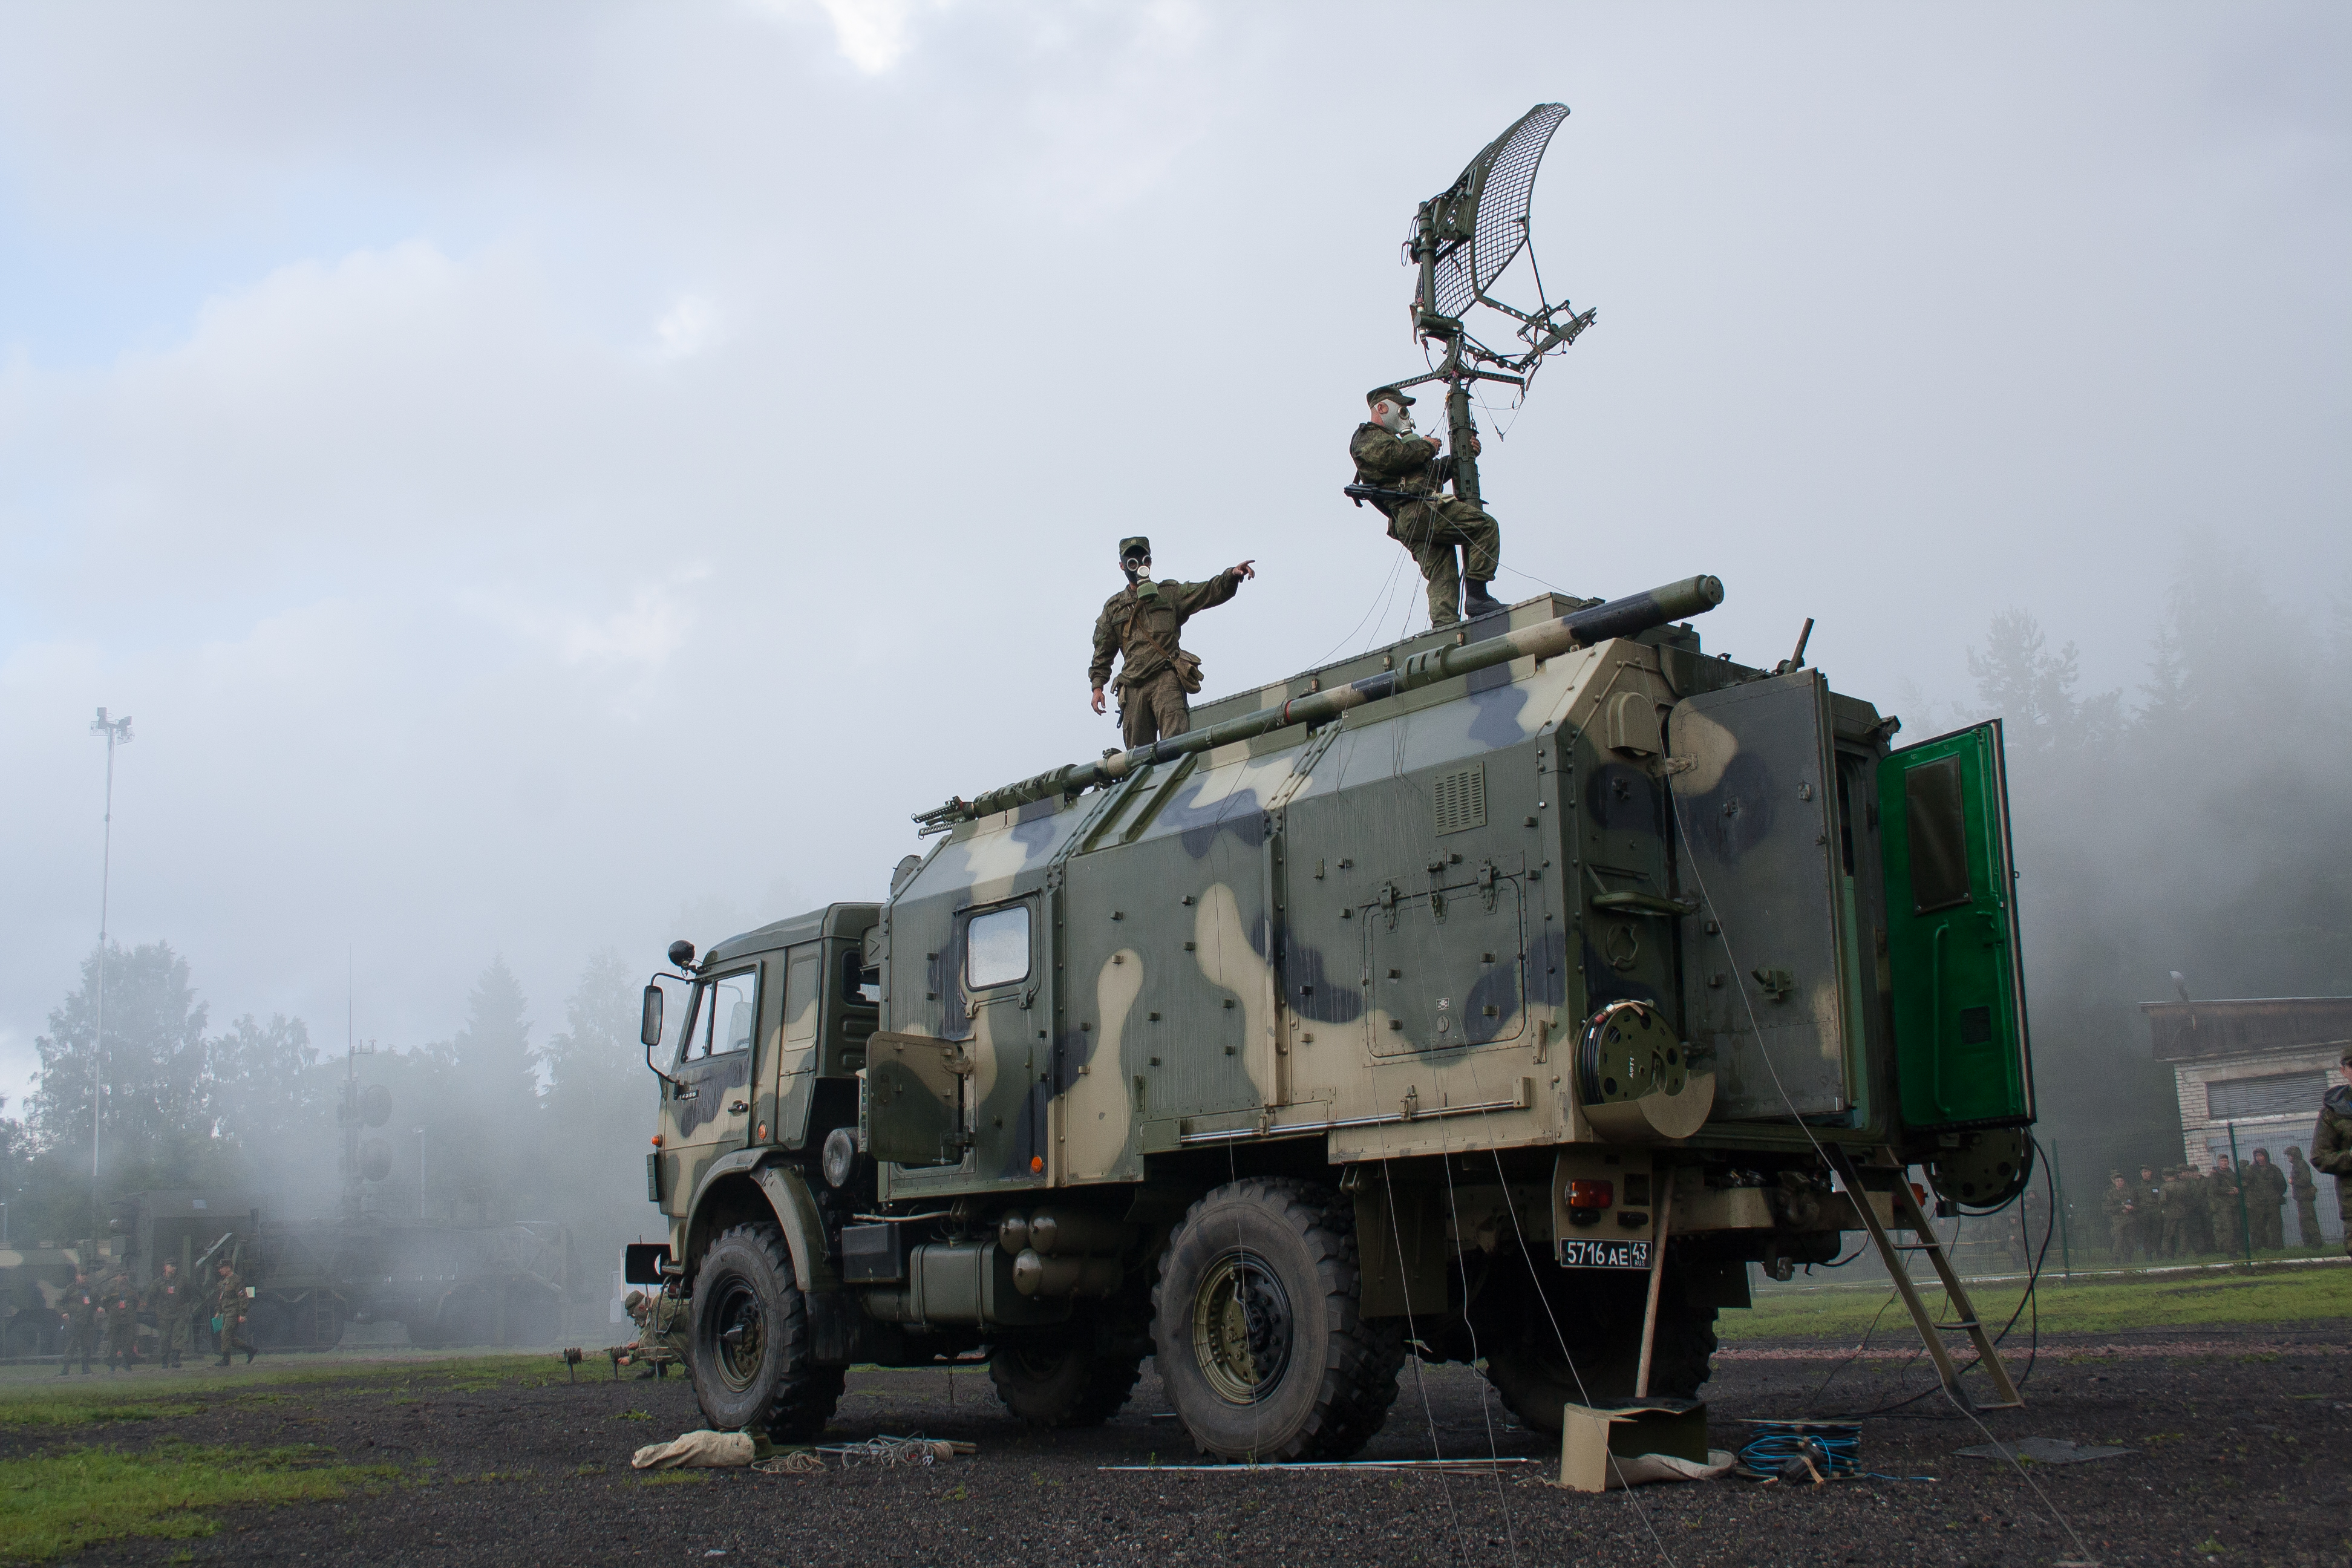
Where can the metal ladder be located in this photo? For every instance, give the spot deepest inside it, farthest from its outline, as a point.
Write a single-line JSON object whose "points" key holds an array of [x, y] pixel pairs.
{"points": [[1908, 1214]]}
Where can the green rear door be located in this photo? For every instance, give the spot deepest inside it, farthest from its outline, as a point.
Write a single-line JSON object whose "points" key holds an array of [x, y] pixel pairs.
{"points": [[1960, 1051]]}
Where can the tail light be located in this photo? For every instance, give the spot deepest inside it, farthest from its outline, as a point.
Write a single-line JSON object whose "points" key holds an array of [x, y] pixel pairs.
{"points": [[1591, 1195]]}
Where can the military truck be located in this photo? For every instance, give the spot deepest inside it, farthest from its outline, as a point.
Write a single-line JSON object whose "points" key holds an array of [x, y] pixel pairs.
{"points": [[1499, 995]]}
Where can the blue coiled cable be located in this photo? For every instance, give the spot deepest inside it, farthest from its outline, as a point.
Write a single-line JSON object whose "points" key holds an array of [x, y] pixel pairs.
{"points": [[1836, 1450]]}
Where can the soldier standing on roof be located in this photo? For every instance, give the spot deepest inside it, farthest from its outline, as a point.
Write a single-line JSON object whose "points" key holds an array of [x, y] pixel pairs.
{"points": [[1390, 453], [2331, 1142], [2306, 1196], [1139, 623]]}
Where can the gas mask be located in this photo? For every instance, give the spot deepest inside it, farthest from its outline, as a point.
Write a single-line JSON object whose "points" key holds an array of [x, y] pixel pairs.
{"points": [[1393, 418], [1139, 572]]}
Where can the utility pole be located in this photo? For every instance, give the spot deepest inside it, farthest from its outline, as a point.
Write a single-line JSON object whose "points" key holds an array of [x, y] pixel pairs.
{"points": [[118, 733]]}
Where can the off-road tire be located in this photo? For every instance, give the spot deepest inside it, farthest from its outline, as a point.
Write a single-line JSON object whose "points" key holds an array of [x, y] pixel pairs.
{"points": [[767, 1379], [1599, 1315], [1333, 1372], [1061, 1383]]}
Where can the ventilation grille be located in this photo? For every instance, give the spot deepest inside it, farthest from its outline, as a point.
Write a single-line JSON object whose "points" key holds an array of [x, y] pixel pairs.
{"points": [[1460, 799], [2283, 1095]]}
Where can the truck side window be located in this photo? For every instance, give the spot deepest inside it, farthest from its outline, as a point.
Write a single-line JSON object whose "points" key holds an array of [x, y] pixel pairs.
{"points": [[996, 948], [860, 987], [723, 1014], [800, 995]]}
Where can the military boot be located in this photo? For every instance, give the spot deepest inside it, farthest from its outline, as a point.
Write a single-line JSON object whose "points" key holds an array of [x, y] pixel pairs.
{"points": [[1476, 601], [223, 1359]]}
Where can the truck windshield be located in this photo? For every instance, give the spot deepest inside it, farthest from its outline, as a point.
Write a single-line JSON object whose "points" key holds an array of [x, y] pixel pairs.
{"points": [[724, 1008]]}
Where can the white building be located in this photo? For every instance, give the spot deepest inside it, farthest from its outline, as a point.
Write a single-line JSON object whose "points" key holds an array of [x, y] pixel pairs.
{"points": [[2257, 1067]]}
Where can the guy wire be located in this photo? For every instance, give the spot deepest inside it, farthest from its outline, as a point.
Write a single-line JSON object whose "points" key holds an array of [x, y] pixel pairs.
{"points": [[1528, 1258], [1420, 1386], [1485, 1413], [1674, 797]]}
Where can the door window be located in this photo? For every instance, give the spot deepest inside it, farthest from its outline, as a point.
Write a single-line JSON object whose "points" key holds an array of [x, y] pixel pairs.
{"points": [[725, 1010], [996, 948]]}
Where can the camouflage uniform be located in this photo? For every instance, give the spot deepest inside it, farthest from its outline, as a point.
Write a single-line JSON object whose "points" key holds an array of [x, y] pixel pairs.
{"points": [[121, 1323], [169, 1298], [81, 1305], [2221, 1203], [1140, 622], [2331, 1147], [2201, 1209], [662, 1324], [1431, 528], [229, 1304], [2306, 1197], [2266, 1202], [2177, 1195], [2120, 1204]]}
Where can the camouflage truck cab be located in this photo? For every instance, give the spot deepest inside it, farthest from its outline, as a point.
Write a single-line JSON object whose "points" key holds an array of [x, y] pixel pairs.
{"points": [[1500, 991]]}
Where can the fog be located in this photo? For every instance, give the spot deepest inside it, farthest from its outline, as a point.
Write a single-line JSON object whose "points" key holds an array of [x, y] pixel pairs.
{"points": [[550, 480]]}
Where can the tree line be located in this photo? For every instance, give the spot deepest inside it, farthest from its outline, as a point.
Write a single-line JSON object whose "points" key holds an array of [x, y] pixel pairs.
{"points": [[484, 1126]]}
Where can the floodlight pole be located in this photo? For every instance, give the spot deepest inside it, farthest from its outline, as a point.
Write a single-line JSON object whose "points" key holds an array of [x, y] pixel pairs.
{"points": [[117, 733]]}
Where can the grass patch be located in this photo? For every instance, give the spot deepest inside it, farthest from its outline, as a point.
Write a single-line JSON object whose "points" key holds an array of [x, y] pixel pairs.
{"points": [[2086, 1306], [75, 1407], [675, 1478], [52, 1504]]}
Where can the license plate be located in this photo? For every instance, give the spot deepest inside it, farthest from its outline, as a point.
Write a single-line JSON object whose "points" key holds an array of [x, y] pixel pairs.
{"points": [[1580, 1253]]}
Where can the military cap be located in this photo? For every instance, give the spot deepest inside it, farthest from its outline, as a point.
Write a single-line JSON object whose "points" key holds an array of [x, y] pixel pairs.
{"points": [[2345, 1059], [1129, 549], [2115, 1175], [1387, 395], [633, 1300]]}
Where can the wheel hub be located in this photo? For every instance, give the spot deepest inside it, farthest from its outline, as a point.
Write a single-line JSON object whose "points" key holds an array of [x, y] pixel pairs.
{"points": [[1242, 1326], [742, 1335]]}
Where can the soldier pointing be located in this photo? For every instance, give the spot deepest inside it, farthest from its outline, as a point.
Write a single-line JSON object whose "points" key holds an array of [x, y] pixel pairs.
{"points": [[1140, 622], [1390, 453]]}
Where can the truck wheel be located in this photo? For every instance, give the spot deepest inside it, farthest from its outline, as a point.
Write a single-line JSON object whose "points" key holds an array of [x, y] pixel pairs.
{"points": [[1050, 1384], [1601, 1317], [1261, 1337], [751, 1359]]}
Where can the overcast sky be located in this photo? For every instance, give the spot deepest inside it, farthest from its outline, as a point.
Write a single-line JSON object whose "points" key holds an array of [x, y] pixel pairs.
{"points": [[540, 475]]}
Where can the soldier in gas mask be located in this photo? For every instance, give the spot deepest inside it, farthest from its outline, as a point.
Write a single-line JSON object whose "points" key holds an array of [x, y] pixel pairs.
{"points": [[1390, 453], [1139, 623]]}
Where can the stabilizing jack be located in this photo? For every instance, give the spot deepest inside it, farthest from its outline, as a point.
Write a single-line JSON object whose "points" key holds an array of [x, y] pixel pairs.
{"points": [[1908, 1214]]}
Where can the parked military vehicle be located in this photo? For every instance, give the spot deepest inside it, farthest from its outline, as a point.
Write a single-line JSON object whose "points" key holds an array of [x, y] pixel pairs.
{"points": [[1500, 995], [34, 1279]]}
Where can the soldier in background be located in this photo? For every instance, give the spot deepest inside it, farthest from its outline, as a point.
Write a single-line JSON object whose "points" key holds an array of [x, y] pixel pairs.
{"points": [[2265, 1186], [2120, 1204], [2201, 1209], [1140, 622], [2174, 1199], [121, 1323], [2331, 1141], [167, 1297], [2306, 1196], [1391, 453], [82, 1323], [661, 1326], [2221, 1203], [229, 1313]]}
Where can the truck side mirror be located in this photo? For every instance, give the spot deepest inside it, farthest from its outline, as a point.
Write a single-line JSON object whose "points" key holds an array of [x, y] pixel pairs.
{"points": [[649, 1029]]}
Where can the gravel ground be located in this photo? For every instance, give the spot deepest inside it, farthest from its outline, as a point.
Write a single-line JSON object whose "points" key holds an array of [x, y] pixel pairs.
{"points": [[2238, 1437]]}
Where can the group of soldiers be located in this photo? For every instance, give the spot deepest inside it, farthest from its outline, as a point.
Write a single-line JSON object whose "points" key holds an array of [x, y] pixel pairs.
{"points": [[106, 1311], [1454, 541], [2185, 1212]]}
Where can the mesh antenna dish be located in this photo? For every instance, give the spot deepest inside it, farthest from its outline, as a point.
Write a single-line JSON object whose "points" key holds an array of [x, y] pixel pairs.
{"points": [[1480, 223], [1464, 239]]}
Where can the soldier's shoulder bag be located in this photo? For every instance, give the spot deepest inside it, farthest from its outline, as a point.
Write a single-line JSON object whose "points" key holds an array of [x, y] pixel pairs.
{"points": [[1188, 671]]}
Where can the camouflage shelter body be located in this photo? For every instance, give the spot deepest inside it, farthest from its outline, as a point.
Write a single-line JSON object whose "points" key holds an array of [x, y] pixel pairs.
{"points": [[1610, 918]]}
